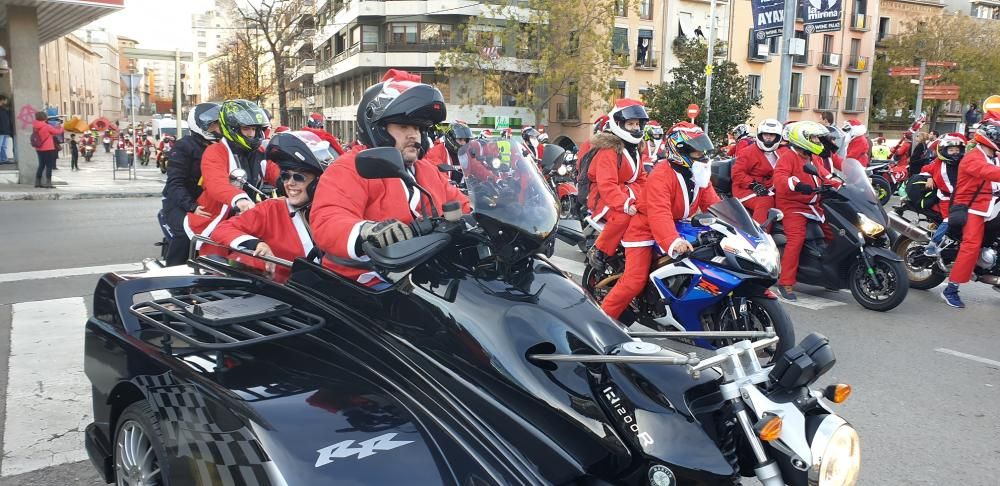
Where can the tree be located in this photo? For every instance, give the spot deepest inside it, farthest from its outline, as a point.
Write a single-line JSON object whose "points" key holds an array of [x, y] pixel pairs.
{"points": [[731, 98], [956, 38], [529, 55], [276, 22], [236, 74]]}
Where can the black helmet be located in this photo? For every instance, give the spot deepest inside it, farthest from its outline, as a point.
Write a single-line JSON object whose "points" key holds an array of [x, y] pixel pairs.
{"points": [[201, 116], [457, 131], [236, 114], [399, 98], [301, 151], [529, 132]]}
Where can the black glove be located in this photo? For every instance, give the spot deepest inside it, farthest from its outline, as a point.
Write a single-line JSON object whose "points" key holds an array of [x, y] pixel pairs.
{"points": [[804, 188], [385, 233], [759, 188]]}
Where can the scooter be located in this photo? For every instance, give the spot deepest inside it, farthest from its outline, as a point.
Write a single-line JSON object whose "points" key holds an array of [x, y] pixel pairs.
{"points": [[859, 257], [559, 168], [88, 151]]}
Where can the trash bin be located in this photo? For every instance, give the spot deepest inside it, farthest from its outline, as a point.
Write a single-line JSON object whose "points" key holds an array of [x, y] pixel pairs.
{"points": [[122, 159]]}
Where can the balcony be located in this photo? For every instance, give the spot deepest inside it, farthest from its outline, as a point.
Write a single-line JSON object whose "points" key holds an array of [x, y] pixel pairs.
{"points": [[754, 53], [826, 103], [648, 63], [883, 38], [858, 64], [798, 102], [567, 112], [802, 60], [620, 57], [855, 105], [422, 46], [860, 22], [829, 60]]}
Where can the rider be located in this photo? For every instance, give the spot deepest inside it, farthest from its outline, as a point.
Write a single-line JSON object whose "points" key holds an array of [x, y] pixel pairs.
{"points": [[977, 187], [652, 146], [531, 143], [242, 123], [279, 227], [599, 126], [741, 139], [673, 191], [349, 210], [797, 193], [616, 176], [943, 174], [184, 175], [457, 135], [856, 138], [753, 169]]}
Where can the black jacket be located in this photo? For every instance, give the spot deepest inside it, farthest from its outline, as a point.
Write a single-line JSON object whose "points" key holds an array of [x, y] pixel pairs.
{"points": [[184, 172], [6, 121]]}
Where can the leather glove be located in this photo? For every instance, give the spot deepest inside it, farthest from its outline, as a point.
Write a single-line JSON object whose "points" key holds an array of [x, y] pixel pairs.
{"points": [[759, 188], [804, 188], [385, 233]]}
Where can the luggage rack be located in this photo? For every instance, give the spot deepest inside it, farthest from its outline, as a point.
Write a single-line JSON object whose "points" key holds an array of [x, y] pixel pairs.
{"points": [[225, 319]]}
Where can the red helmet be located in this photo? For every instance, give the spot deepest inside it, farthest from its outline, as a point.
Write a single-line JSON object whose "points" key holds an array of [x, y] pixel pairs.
{"points": [[988, 134]]}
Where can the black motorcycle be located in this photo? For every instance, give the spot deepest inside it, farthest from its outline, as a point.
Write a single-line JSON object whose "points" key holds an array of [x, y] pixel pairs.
{"points": [[859, 257], [881, 176]]}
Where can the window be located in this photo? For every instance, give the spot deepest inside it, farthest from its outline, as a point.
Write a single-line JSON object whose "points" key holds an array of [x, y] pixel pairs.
{"points": [[775, 45], [369, 38], [436, 33], [825, 100], [621, 8], [620, 90], [860, 7], [403, 33], [491, 91], [758, 48], [619, 41], [855, 48], [202, 44], [797, 98], [439, 81], [883, 28], [644, 54], [851, 102], [355, 36], [753, 84], [202, 54], [201, 33], [804, 58], [646, 9]]}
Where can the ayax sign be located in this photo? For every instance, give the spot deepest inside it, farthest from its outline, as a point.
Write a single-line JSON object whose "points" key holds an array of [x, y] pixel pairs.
{"points": [[768, 16], [820, 15]]}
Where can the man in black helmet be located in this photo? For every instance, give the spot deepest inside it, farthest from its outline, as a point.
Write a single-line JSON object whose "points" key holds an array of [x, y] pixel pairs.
{"points": [[349, 210]]}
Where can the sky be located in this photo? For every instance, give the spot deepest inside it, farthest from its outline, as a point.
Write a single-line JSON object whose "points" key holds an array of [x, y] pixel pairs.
{"points": [[156, 24]]}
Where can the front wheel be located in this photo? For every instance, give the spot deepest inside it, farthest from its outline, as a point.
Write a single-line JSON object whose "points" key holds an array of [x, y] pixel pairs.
{"points": [[139, 454], [759, 314], [921, 270], [882, 189], [881, 289]]}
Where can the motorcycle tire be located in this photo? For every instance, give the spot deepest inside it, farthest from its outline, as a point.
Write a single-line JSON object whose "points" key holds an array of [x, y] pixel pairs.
{"points": [[763, 309], [883, 189], [895, 271], [920, 278]]}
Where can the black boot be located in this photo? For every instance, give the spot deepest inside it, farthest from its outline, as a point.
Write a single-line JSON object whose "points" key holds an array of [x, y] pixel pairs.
{"points": [[47, 182], [38, 181]]}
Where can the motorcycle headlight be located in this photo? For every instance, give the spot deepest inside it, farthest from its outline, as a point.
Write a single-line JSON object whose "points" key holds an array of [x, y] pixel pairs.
{"points": [[562, 170], [767, 255], [836, 451], [868, 226]]}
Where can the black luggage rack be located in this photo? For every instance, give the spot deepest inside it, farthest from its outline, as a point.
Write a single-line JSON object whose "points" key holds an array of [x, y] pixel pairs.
{"points": [[225, 319]]}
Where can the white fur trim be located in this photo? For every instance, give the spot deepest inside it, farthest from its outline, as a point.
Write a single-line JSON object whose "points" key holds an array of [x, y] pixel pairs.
{"points": [[240, 240], [684, 193], [747, 198], [638, 244], [352, 241], [303, 233], [599, 216], [792, 181], [365, 278], [633, 164], [239, 196]]}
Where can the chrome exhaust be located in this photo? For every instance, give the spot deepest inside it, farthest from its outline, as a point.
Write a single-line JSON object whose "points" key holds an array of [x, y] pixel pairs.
{"points": [[905, 228]]}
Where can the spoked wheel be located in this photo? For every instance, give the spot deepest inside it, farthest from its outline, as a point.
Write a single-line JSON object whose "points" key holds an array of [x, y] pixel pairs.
{"points": [[882, 189], [138, 448], [759, 314], [884, 288], [921, 269]]}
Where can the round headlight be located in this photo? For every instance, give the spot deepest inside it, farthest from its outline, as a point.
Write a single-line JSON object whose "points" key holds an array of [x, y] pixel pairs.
{"points": [[562, 170], [840, 461]]}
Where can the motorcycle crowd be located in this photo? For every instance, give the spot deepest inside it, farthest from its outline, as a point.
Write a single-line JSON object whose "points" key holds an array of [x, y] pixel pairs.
{"points": [[135, 141]]}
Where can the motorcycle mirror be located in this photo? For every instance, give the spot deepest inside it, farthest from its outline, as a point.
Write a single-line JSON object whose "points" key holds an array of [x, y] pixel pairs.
{"points": [[550, 154], [238, 177], [381, 163], [810, 169]]}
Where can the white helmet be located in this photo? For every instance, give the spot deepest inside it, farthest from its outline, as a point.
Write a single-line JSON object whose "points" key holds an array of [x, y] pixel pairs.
{"points": [[201, 116], [773, 127]]}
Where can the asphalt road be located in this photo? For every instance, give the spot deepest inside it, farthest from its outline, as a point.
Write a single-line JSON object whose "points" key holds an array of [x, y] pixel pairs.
{"points": [[926, 415]]}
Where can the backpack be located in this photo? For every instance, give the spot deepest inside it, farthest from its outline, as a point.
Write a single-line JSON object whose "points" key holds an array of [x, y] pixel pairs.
{"points": [[36, 139], [582, 180]]}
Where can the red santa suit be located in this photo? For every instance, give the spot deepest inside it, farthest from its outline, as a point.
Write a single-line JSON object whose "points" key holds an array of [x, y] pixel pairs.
{"points": [[219, 195], [753, 165], [668, 197], [344, 201], [274, 222], [978, 181], [738, 147], [613, 187], [858, 147], [798, 208], [943, 182]]}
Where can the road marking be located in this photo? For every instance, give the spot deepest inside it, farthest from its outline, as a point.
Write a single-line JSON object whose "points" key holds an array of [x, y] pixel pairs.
{"points": [[971, 357], [48, 395], [69, 272], [811, 302], [570, 266]]}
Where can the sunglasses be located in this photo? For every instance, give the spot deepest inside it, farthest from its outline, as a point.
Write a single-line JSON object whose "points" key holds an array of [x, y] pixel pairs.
{"points": [[295, 176]]}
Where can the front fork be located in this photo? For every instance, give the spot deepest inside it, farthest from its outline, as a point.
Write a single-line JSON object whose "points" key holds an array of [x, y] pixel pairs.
{"points": [[765, 468]]}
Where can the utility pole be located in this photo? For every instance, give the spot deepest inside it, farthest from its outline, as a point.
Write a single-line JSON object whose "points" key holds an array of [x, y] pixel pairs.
{"points": [[785, 82], [710, 64], [920, 89], [177, 93]]}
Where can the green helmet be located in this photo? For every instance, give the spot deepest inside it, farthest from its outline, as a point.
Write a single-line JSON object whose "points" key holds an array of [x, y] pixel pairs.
{"points": [[236, 114], [800, 135]]}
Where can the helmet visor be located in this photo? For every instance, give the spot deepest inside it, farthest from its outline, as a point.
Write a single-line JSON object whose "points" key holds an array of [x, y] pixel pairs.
{"points": [[634, 112]]}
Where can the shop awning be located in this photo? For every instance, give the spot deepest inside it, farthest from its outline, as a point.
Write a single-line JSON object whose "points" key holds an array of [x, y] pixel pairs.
{"points": [[57, 18]]}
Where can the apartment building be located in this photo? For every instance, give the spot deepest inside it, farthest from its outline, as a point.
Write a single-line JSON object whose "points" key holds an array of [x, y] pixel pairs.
{"points": [[105, 44], [689, 19], [833, 74], [300, 89], [357, 41], [70, 80], [212, 29]]}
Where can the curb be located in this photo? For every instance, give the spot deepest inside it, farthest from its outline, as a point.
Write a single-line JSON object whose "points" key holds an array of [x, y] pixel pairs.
{"points": [[58, 196]]}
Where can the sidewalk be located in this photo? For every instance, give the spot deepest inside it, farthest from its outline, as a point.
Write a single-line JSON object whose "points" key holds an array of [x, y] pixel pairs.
{"points": [[94, 180]]}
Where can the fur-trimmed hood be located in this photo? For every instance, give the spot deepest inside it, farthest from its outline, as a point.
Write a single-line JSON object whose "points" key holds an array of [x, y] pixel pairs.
{"points": [[607, 140]]}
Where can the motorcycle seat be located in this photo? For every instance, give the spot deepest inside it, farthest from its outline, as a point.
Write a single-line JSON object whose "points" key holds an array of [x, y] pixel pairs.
{"points": [[814, 231]]}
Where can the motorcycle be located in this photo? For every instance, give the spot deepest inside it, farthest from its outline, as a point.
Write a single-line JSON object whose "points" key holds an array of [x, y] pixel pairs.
{"points": [[88, 151], [161, 157], [107, 144], [859, 257], [885, 179], [558, 165], [723, 285]]}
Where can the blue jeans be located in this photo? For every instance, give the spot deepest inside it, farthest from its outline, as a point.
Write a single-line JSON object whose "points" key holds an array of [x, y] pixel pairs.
{"points": [[3, 147], [939, 233]]}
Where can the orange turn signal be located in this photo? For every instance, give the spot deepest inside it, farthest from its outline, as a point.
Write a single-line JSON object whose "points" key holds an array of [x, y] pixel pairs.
{"points": [[769, 428], [837, 393]]}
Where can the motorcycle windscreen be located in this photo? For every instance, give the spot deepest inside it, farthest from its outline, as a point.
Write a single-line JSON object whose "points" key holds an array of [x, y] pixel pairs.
{"points": [[730, 211], [858, 188], [507, 187]]}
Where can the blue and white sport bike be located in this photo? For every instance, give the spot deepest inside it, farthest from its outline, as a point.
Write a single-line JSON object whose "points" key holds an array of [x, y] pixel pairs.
{"points": [[723, 285]]}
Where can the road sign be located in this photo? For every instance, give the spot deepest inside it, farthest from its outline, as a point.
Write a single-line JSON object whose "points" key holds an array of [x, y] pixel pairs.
{"points": [[992, 104], [905, 71], [932, 77], [947, 64], [501, 122], [942, 88], [693, 111], [941, 96]]}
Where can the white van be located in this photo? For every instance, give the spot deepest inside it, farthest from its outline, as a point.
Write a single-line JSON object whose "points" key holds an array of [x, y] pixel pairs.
{"points": [[167, 126]]}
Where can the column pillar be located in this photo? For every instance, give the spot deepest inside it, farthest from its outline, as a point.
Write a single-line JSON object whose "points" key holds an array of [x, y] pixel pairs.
{"points": [[26, 81]]}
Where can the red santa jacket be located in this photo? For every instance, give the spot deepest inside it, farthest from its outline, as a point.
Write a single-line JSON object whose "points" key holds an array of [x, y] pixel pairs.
{"points": [[439, 155], [860, 149], [344, 201], [901, 153], [665, 201], [219, 195], [612, 185], [738, 147], [977, 171], [273, 222], [753, 165], [789, 172]]}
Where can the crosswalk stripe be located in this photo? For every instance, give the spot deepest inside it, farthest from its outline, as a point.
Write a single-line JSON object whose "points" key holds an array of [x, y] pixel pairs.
{"points": [[48, 395], [570, 266], [69, 272]]}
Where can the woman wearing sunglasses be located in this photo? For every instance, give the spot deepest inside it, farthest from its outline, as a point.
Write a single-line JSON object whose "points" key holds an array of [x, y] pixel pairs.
{"points": [[280, 227]]}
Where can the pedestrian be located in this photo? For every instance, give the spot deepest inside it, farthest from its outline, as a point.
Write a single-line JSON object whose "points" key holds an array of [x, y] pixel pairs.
{"points": [[43, 140], [74, 152], [972, 116], [6, 128], [837, 135]]}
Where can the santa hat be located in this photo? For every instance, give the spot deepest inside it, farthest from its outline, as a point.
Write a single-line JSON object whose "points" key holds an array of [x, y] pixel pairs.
{"points": [[856, 128], [281, 129], [958, 135]]}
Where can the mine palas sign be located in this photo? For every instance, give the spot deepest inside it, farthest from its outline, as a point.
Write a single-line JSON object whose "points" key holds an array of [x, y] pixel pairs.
{"points": [[820, 15]]}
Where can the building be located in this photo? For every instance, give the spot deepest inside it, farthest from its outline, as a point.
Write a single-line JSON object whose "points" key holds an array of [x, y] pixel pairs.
{"points": [[690, 19], [105, 44], [832, 74], [356, 42], [300, 90], [211, 31], [70, 80]]}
